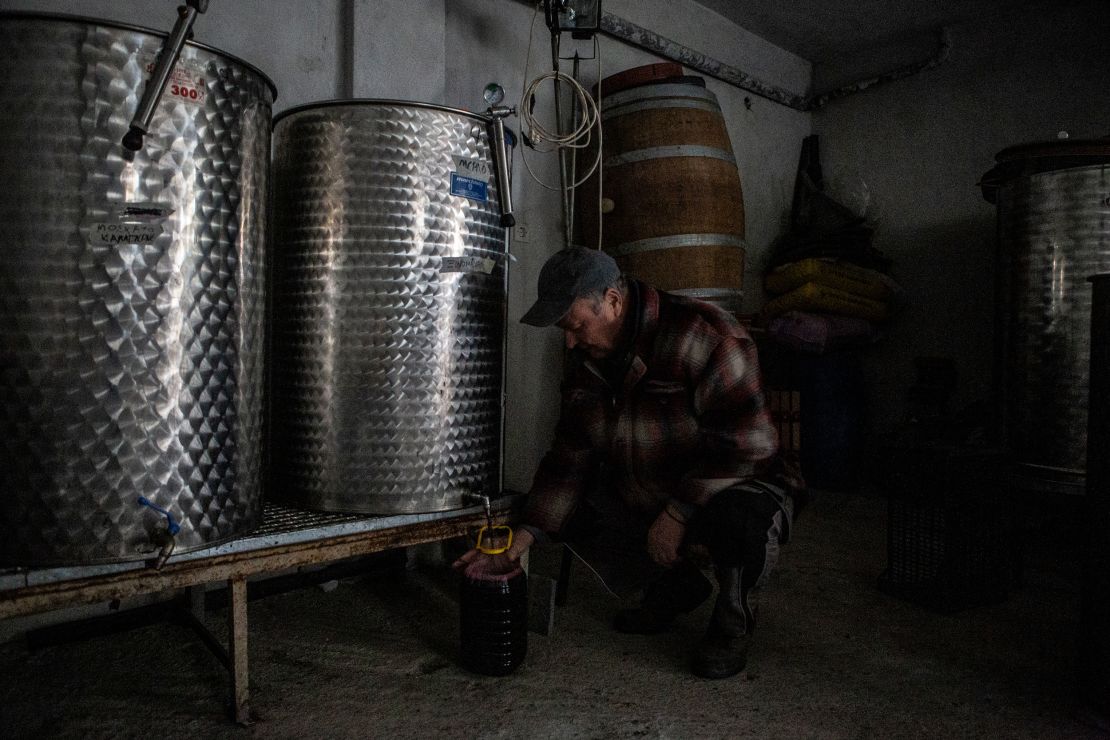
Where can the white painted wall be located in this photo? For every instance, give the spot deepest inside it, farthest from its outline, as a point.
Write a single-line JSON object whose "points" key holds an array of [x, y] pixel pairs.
{"points": [[922, 143], [295, 43], [399, 49]]}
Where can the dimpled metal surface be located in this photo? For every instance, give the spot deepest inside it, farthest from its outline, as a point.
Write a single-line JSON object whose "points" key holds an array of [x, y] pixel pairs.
{"points": [[131, 366], [1054, 228], [387, 352]]}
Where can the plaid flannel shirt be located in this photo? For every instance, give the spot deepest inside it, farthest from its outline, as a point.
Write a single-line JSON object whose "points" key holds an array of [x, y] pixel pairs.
{"points": [[688, 420]]}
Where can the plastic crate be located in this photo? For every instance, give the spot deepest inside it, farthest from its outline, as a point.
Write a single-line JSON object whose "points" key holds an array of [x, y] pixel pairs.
{"points": [[951, 538]]}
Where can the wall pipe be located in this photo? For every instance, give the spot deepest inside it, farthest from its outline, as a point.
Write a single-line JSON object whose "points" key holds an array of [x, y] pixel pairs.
{"points": [[648, 40], [640, 37], [346, 81], [944, 46]]}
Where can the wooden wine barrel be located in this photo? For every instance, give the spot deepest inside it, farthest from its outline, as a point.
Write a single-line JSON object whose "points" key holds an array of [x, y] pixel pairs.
{"points": [[639, 76], [671, 189]]}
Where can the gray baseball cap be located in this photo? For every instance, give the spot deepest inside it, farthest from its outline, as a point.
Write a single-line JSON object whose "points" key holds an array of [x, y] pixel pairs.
{"points": [[568, 275]]}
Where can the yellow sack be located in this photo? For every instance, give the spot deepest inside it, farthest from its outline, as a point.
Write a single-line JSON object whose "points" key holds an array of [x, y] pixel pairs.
{"points": [[815, 297], [840, 275]]}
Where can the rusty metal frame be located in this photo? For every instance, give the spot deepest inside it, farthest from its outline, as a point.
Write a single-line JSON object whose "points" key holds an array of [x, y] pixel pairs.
{"points": [[235, 568], [45, 597]]}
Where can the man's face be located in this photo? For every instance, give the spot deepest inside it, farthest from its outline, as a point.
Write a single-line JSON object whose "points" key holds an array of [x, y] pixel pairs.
{"points": [[593, 325]]}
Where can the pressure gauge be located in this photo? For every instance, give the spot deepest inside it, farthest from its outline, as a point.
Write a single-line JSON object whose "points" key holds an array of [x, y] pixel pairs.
{"points": [[493, 94]]}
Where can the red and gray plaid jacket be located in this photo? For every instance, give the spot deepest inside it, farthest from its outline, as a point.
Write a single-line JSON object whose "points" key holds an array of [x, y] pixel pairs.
{"points": [[688, 420]]}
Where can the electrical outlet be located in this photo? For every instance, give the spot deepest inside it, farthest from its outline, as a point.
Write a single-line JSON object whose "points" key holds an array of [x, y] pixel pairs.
{"points": [[522, 232]]}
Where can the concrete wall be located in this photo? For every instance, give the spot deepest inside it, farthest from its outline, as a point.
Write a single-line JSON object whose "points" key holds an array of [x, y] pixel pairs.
{"points": [[397, 44], [921, 144]]}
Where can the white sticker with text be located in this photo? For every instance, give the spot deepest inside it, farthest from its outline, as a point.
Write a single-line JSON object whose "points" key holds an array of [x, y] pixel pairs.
{"points": [[186, 83], [468, 264]]}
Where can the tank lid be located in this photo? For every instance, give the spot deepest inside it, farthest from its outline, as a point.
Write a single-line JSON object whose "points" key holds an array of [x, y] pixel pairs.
{"points": [[371, 102], [1023, 160], [1096, 149], [20, 15]]}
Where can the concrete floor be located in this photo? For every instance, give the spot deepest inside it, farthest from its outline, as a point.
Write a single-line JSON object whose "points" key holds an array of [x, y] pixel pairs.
{"points": [[376, 657]]}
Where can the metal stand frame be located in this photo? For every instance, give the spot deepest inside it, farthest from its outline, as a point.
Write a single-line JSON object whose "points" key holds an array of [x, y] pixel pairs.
{"points": [[295, 539]]}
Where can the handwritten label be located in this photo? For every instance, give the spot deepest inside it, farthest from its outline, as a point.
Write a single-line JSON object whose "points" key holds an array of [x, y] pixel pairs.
{"points": [[117, 233], [140, 212], [475, 169], [131, 223], [471, 178], [468, 264]]}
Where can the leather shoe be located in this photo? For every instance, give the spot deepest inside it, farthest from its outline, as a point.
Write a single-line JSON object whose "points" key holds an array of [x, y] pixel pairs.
{"points": [[720, 656], [723, 652]]}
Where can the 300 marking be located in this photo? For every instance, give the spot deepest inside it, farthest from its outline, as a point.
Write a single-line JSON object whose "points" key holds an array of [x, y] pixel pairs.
{"points": [[190, 93]]}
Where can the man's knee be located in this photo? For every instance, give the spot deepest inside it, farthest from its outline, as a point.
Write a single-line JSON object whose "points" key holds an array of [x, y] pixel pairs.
{"points": [[736, 524]]}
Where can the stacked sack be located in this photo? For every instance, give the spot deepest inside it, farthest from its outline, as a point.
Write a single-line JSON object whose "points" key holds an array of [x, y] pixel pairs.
{"points": [[825, 304]]}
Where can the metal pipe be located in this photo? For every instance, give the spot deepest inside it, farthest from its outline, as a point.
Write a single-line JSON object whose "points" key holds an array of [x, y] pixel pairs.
{"points": [[347, 51], [171, 50], [638, 36], [564, 192], [501, 163], [635, 35], [648, 40], [944, 45], [501, 401], [572, 165]]}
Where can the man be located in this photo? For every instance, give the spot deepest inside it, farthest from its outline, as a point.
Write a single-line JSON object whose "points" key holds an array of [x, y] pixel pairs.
{"points": [[663, 414]]}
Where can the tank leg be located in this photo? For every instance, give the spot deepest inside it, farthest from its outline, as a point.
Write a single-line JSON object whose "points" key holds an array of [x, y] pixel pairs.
{"points": [[237, 630], [196, 602], [563, 584]]}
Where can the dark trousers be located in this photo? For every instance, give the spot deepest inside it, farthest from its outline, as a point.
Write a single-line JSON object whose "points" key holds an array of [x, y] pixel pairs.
{"points": [[740, 527]]}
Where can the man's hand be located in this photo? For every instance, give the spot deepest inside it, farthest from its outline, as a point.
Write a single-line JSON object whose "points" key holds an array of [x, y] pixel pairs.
{"points": [[522, 540], [664, 538]]}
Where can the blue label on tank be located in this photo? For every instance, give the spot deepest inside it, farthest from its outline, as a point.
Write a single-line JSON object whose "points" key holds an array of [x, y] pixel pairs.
{"points": [[469, 187]]}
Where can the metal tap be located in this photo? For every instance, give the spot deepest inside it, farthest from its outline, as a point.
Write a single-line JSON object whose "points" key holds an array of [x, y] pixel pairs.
{"points": [[166, 543], [484, 500], [164, 539]]}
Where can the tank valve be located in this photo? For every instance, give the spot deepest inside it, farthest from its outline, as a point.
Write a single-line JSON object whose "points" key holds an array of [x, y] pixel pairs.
{"points": [[483, 499], [164, 539], [488, 533], [166, 544]]}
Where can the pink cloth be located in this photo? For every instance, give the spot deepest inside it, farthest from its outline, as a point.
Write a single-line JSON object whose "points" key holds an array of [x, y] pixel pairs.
{"points": [[820, 333]]}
